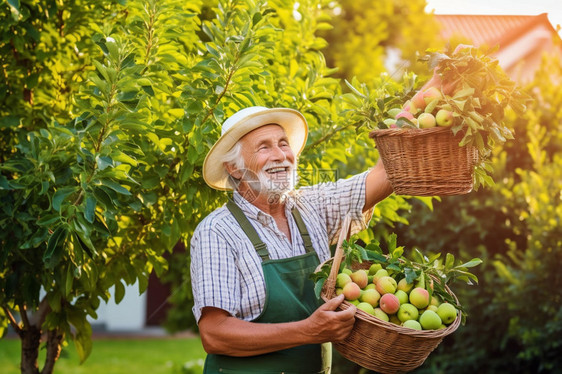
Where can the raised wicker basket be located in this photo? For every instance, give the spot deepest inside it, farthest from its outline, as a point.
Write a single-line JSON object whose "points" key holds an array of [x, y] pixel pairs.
{"points": [[426, 162], [378, 345]]}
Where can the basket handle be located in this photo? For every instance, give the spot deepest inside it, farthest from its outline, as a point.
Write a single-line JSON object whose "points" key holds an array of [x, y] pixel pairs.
{"points": [[338, 256]]}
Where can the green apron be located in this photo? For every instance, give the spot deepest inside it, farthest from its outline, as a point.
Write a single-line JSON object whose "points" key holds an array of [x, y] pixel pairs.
{"points": [[289, 297]]}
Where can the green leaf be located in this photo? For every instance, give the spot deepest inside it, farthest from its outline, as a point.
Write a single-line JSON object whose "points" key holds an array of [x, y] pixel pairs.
{"points": [[54, 251], [469, 91], [115, 187], [60, 195], [90, 209], [48, 219], [392, 242], [44, 187], [82, 233], [15, 4], [119, 292], [148, 89], [143, 283], [418, 256], [102, 69], [104, 162], [432, 105], [103, 197], [69, 280], [449, 261], [355, 90], [470, 264], [318, 287], [411, 275], [83, 336]]}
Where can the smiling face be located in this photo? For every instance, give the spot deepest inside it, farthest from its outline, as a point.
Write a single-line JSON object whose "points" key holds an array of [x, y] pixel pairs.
{"points": [[269, 163]]}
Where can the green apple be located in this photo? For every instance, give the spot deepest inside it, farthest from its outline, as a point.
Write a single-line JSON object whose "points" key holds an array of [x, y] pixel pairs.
{"points": [[370, 286], [392, 113], [426, 120], [379, 274], [342, 279], [407, 312], [419, 101], [339, 291], [435, 300], [447, 312], [419, 297], [389, 303], [386, 284], [403, 285], [412, 324], [444, 118], [380, 314], [402, 296], [354, 302], [370, 296], [366, 307], [374, 268], [389, 121], [431, 94], [347, 271], [351, 291], [360, 277], [431, 307], [429, 320], [394, 319]]}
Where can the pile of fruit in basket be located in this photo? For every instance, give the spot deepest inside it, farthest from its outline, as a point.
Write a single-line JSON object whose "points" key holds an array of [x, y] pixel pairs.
{"points": [[412, 293]]}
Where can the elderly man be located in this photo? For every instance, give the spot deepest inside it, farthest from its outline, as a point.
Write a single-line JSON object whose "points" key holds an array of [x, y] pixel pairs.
{"points": [[251, 259]]}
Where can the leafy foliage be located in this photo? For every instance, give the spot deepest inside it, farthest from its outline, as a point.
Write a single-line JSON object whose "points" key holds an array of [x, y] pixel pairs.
{"points": [[365, 37], [101, 171]]}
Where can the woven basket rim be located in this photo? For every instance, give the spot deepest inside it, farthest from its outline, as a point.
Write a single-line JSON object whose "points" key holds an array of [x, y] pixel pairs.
{"points": [[440, 333], [377, 133]]}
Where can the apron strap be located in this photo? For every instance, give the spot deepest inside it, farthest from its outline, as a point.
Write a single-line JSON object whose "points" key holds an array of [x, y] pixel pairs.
{"points": [[259, 245], [302, 229]]}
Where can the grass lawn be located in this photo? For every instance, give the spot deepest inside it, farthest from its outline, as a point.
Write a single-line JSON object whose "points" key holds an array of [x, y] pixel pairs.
{"points": [[117, 356]]}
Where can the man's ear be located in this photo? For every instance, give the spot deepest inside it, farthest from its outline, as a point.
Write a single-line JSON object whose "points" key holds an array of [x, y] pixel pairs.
{"points": [[233, 171]]}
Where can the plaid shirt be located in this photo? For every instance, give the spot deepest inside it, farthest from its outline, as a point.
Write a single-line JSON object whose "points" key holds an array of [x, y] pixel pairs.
{"points": [[226, 271]]}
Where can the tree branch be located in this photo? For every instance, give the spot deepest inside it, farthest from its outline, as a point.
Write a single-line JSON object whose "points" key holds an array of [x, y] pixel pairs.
{"points": [[54, 341], [23, 314], [38, 317], [327, 137], [13, 322]]}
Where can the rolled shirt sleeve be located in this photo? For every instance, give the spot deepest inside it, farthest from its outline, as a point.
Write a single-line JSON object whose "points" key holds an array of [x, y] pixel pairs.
{"points": [[214, 273], [334, 200]]}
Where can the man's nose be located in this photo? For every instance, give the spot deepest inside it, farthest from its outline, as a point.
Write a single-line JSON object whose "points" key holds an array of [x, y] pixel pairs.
{"points": [[278, 154]]}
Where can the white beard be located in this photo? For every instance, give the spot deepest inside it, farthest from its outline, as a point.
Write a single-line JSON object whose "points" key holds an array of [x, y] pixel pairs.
{"points": [[275, 186]]}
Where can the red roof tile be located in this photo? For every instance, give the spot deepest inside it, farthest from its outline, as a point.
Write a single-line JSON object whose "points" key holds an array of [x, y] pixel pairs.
{"points": [[490, 29]]}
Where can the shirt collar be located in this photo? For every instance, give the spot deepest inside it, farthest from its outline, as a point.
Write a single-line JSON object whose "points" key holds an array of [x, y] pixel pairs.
{"points": [[252, 211], [249, 209]]}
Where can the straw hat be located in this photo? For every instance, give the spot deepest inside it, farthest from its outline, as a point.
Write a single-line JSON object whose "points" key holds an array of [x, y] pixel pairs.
{"points": [[241, 123]]}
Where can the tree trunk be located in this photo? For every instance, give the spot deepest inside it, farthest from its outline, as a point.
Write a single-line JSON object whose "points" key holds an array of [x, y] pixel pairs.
{"points": [[30, 340], [54, 340]]}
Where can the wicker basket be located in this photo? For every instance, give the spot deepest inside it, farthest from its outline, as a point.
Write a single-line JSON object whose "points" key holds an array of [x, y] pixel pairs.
{"points": [[426, 162], [378, 345]]}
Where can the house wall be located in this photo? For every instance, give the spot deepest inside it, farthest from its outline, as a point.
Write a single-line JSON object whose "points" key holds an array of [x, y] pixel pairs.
{"points": [[128, 315]]}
